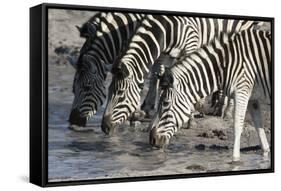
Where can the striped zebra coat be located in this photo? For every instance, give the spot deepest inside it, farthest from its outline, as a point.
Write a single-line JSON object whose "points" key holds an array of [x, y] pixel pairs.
{"points": [[106, 36], [235, 65], [173, 35]]}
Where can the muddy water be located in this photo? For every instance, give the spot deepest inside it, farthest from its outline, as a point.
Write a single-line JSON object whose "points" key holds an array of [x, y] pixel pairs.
{"points": [[93, 155]]}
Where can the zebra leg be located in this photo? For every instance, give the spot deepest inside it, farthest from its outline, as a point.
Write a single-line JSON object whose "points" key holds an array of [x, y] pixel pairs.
{"points": [[149, 103], [223, 106], [191, 123], [218, 103], [227, 109], [240, 106], [200, 107], [254, 109]]}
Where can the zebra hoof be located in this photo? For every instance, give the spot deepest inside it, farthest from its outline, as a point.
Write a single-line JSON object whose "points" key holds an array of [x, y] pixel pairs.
{"points": [[235, 160], [191, 124], [265, 155], [227, 116]]}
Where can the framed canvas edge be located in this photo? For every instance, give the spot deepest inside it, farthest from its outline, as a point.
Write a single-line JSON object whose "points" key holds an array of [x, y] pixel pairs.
{"points": [[44, 82], [36, 128]]}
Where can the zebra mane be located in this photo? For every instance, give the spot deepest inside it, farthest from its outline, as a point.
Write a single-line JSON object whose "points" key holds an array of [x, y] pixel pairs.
{"points": [[89, 29], [118, 67], [226, 38]]}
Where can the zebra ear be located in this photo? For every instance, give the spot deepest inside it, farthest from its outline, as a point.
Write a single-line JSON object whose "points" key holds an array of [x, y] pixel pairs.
{"points": [[91, 29], [268, 33], [88, 30], [166, 80], [78, 28]]}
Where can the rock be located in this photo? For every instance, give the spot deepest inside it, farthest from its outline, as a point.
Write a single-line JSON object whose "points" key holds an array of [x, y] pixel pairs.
{"points": [[138, 126], [220, 134], [138, 115], [196, 167], [200, 147], [62, 50], [208, 134], [135, 123], [251, 149]]}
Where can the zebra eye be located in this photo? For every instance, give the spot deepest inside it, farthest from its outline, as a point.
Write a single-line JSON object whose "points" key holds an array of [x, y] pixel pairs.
{"points": [[166, 103], [87, 86], [120, 92]]}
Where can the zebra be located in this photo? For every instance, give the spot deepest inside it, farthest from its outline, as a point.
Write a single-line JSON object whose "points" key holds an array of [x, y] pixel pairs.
{"points": [[158, 34], [221, 105], [89, 29], [237, 65], [106, 35]]}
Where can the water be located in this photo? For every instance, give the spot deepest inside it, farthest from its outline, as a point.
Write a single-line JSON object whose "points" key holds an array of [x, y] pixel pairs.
{"points": [[93, 155]]}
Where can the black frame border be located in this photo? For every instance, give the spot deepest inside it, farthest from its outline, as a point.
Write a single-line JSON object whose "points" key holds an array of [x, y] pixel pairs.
{"points": [[39, 95]]}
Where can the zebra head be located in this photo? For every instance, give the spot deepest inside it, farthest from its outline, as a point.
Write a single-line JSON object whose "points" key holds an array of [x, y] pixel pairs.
{"points": [[88, 88], [123, 98], [171, 114]]}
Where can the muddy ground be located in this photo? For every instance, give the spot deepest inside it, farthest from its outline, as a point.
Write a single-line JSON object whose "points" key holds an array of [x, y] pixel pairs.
{"points": [[205, 147]]}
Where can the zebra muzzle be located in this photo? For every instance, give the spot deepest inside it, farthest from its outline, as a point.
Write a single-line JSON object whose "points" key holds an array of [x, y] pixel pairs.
{"points": [[76, 119], [107, 126], [156, 140], [152, 137]]}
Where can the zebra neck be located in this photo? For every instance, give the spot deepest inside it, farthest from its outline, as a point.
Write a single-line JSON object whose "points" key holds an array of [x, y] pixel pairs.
{"points": [[98, 63], [112, 36], [201, 73]]}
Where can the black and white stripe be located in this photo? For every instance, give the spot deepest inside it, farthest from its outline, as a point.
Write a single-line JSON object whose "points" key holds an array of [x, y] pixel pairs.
{"points": [[106, 36], [158, 34], [234, 64]]}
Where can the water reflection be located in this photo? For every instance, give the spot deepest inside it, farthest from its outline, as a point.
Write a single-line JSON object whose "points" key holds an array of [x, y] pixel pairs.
{"points": [[90, 155]]}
